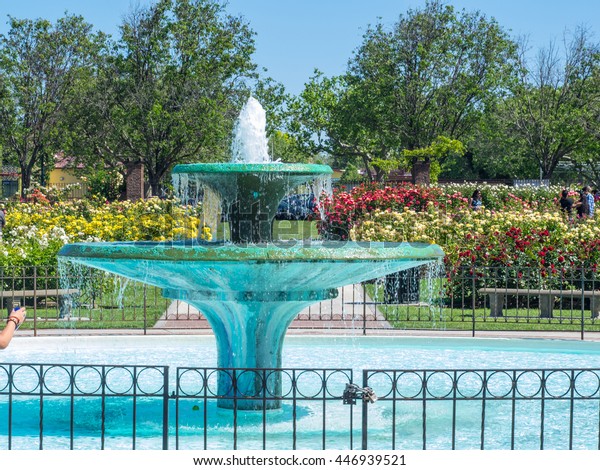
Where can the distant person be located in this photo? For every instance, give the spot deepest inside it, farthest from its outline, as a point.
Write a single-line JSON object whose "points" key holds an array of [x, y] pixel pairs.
{"points": [[596, 195], [13, 322], [585, 205], [589, 198], [476, 200], [580, 205], [2, 218], [566, 203]]}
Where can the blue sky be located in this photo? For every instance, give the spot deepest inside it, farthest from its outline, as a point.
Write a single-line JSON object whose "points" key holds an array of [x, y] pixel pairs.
{"points": [[296, 36]]}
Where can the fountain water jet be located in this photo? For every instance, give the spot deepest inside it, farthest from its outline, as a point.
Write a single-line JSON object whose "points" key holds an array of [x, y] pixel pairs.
{"points": [[250, 290]]}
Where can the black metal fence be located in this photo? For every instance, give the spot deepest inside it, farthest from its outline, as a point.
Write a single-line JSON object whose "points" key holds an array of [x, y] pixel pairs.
{"points": [[470, 298], [61, 406], [306, 410], [483, 409], [58, 406], [480, 298]]}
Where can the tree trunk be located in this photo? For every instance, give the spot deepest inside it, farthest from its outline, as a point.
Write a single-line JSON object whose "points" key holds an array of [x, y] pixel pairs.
{"points": [[25, 179], [420, 172]]}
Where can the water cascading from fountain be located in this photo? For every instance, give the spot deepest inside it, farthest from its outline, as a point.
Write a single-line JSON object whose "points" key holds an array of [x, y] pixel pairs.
{"points": [[250, 143], [251, 288]]}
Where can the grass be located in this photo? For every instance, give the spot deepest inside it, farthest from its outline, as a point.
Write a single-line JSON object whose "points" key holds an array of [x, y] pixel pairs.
{"points": [[282, 230], [428, 315], [126, 308], [424, 317], [295, 229]]}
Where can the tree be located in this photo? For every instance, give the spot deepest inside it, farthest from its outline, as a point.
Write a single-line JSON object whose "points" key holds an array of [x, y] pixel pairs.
{"points": [[320, 122], [553, 103], [432, 157], [497, 152], [588, 158], [431, 74], [40, 65], [169, 91]]}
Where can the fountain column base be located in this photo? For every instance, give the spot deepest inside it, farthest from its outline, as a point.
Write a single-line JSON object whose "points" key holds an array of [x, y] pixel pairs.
{"points": [[249, 329]]}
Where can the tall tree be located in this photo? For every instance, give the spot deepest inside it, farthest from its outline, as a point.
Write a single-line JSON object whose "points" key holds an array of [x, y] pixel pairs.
{"points": [[431, 74], [169, 92], [40, 64], [589, 157], [552, 104]]}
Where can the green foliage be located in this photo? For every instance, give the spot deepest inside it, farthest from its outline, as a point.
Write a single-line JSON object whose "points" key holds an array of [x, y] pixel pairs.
{"points": [[384, 166], [351, 174], [285, 147], [549, 116], [436, 153], [430, 74], [105, 184], [42, 64], [439, 149], [168, 91]]}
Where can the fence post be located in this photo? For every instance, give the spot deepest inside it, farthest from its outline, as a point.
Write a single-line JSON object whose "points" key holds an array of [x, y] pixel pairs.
{"points": [[364, 286], [365, 414], [165, 430], [583, 300], [473, 286], [34, 298], [145, 310]]}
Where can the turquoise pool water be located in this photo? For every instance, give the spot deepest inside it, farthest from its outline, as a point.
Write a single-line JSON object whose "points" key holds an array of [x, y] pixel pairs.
{"points": [[390, 423], [371, 352]]}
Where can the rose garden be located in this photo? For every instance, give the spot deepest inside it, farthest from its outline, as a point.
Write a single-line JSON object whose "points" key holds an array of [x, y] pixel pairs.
{"points": [[519, 240]]}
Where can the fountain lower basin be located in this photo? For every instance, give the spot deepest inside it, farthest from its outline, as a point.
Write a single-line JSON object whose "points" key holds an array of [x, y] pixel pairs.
{"points": [[250, 294]]}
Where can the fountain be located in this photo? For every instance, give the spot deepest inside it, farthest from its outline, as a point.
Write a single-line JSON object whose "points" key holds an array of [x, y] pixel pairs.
{"points": [[250, 288]]}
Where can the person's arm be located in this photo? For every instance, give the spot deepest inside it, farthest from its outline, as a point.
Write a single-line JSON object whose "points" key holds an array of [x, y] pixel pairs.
{"points": [[15, 319]]}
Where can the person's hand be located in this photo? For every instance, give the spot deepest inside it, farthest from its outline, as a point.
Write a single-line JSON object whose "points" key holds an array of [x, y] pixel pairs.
{"points": [[19, 314]]}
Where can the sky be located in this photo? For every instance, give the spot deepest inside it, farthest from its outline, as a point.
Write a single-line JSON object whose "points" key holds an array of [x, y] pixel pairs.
{"points": [[293, 37]]}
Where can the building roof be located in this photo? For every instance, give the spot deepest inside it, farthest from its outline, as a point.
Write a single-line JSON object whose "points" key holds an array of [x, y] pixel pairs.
{"points": [[62, 163]]}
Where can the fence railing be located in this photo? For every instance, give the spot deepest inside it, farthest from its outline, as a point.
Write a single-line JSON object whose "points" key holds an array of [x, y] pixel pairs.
{"points": [[304, 411], [59, 406], [470, 299], [72, 191], [483, 409], [56, 300]]}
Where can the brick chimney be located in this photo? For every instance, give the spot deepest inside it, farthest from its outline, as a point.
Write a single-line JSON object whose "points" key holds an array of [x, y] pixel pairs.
{"points": [[134, 185]]}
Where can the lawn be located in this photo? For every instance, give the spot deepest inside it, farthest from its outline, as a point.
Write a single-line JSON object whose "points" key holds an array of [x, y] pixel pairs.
{"points": [[435, 313], [282, 230], [133, 306]]}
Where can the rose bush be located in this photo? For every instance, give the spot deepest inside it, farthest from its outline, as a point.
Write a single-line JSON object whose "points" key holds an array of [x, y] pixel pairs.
{"points": [[544, 240], [344, 209], [35, 231], [527, 249]]}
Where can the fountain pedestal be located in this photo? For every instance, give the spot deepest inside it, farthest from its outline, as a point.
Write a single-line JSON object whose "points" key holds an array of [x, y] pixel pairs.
{"points": [[250, 328]]}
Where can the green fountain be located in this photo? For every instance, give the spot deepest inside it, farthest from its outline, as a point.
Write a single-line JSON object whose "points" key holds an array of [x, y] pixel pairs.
{"points": [[251, 287]]}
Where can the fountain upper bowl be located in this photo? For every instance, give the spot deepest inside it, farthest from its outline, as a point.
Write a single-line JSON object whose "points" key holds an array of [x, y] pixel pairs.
{"points": [[272, 167]]}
